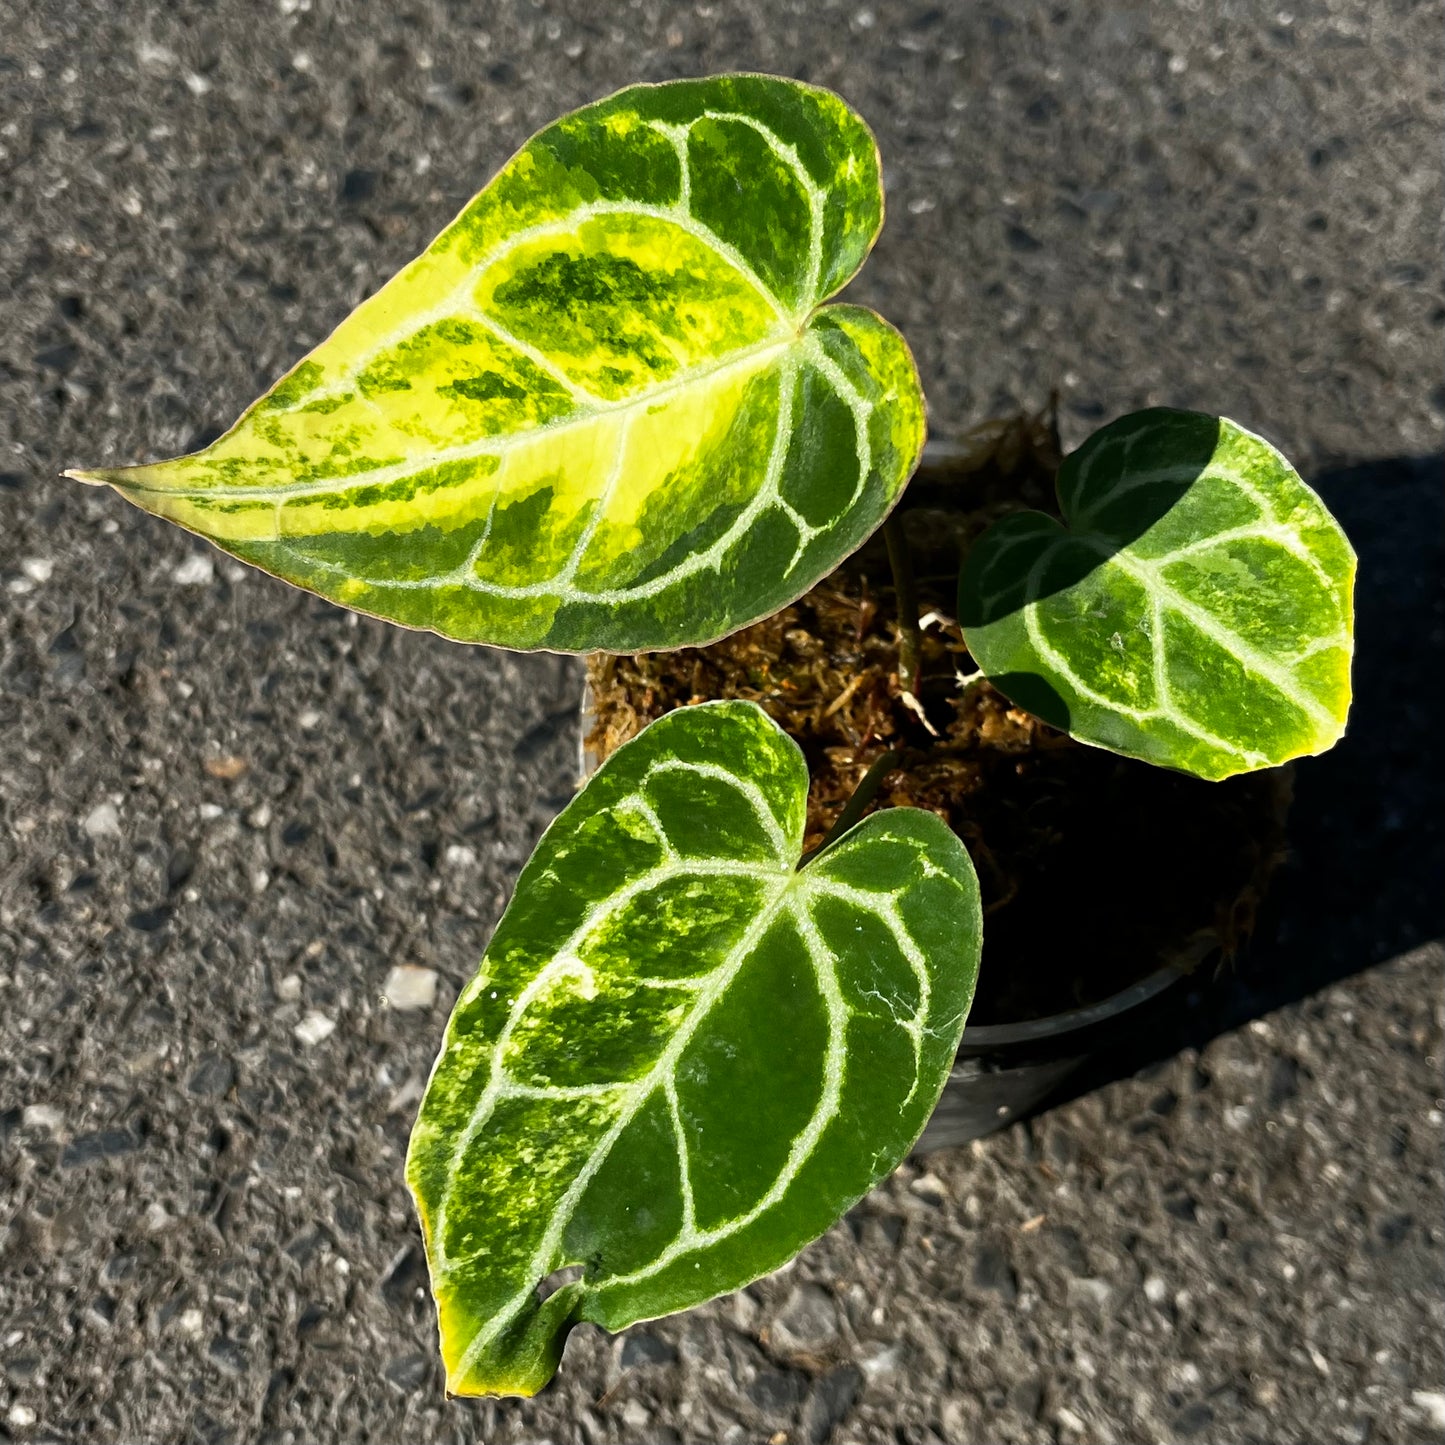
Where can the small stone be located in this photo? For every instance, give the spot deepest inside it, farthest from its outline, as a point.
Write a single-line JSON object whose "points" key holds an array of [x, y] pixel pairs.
{"points": [[807, 1322], [882, 1360], [458, 855], [310, 719], [260, 881], [409, 1372], [259, 817], [641, 1348], [405, 1278], [149, 53], [41, 1116], [103, 821], [288, 989], [228, 1355], [1096, 1291], [191, 1322], [1066, 1418], [409, 1093], [776, 1392], [992, 1271], [213, 1075], [100, 1144], [38, 569], [930, 1188], [828, 1402], [1432, 1402], [1155, 1290], [227, 768], [636, 1417], [22, 1417], [198, 570], [410, 987], [314, 1028]]}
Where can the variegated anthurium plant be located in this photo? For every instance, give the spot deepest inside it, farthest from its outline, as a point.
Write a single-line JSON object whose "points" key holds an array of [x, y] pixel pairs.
{"points": [[611, 408]]}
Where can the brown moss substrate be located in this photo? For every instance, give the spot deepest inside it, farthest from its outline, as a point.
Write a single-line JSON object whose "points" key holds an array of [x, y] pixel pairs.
{"points": [[1094, 869]]}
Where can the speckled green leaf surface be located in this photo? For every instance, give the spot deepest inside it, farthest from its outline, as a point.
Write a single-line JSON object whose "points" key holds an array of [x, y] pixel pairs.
{"points": [[1195, 610], [682, 1059], [606, 408]]}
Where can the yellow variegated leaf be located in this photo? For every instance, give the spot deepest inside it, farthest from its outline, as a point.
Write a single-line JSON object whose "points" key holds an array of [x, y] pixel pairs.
{"points": [[603, 410]]}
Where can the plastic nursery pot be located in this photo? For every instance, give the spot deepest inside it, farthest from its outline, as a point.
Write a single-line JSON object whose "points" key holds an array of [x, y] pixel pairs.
{"points": [[1005, 1072]]}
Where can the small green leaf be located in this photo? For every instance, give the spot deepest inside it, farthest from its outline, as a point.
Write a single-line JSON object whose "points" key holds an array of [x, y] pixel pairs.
{"points": [[605, 409], [1195, 611], [682, 1058]]}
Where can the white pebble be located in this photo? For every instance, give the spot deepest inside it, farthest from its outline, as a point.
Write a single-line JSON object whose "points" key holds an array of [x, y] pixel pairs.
{"points": [[103, 821], [929, 1186], [458, 855], [198, 570], [881, 1361], [288, 990], [260, 881], [38, 569], [314, 1028], [191, 1322], [406, 1096], [41, 1116], [259, 816], [149, 53], [1155, 1290], [22, 1417], [410, 987], [310, 719], [1432, 1402]]}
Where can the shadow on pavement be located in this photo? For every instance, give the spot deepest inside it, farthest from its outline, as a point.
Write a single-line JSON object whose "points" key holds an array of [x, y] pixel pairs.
{"points": [[1366, 878]]}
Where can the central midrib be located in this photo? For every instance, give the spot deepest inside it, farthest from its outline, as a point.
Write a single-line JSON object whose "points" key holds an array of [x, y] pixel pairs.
{"points": [[637, 1096], [775, 343]]}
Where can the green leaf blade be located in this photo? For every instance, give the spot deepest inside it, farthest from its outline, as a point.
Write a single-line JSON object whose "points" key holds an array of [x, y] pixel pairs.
{"points": [[566, 424], [1195, 610], [680, 1088]]}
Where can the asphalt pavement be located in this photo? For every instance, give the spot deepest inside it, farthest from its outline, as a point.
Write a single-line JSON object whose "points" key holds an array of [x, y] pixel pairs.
{"points": [[229, 810]]}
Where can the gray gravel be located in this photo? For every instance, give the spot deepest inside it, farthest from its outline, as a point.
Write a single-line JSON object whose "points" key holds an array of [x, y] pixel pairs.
{"points": [[228, 811]]}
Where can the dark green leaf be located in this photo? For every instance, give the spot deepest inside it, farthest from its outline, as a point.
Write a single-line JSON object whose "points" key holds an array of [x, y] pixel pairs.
{"points": [[682, 1058], [1194, 611]]}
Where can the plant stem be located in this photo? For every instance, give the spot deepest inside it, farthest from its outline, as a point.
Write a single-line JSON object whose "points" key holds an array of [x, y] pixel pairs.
{"points": [[910, 640], [863, 794]]}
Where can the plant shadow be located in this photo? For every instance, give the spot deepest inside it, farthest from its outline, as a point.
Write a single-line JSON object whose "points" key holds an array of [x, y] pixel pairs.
{"points": [[1189, 439], [1363, 884]]}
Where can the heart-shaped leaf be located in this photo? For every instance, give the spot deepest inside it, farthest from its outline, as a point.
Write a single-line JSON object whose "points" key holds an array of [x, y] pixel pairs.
{"points": [[602, 410], [1194, 611], [682, 1058]]}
